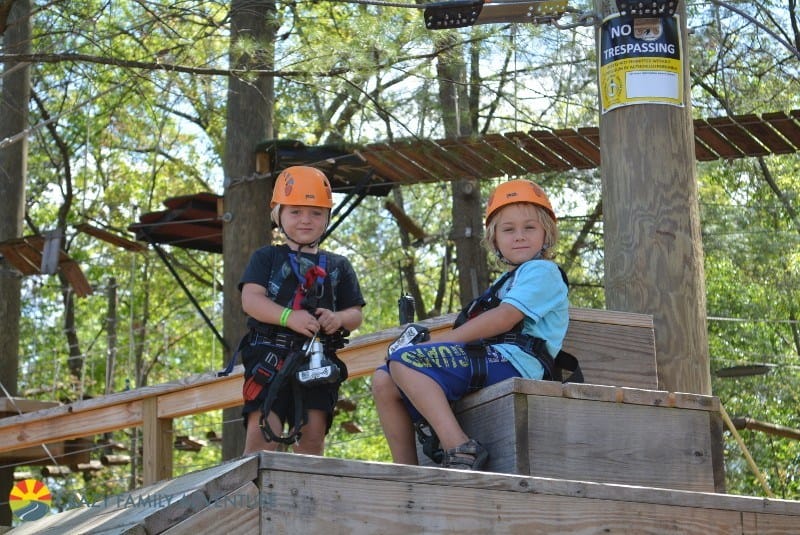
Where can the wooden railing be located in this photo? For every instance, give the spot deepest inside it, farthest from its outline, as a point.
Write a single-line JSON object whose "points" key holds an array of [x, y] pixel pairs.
{"points": [[154, 407]]}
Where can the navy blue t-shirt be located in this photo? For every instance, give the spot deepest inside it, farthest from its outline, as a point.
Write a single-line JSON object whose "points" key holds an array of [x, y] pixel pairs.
{"points": [[269, 266]]}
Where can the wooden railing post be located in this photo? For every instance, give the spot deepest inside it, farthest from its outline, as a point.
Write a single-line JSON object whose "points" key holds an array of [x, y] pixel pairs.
{"points": [[156, 443]]}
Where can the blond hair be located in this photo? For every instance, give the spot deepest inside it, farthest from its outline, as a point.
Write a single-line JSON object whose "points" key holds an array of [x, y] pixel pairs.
{"points": [[545, 219]]}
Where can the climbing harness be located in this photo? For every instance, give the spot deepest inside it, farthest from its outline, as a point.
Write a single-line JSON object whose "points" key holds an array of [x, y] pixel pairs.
{"points": [[284, 355], [310, 288], [534, 346], [476, 352]]}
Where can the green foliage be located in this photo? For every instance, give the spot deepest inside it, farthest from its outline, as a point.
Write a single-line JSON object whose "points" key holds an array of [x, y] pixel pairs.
{"points": [[751, 280], [127, 138]]}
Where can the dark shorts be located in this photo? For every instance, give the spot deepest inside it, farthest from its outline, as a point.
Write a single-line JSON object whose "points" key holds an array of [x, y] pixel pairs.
{"points": [[319, 397], [449, 366]]}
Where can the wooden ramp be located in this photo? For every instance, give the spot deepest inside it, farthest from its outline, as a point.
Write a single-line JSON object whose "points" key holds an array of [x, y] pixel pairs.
{"points": [[286, 493]]}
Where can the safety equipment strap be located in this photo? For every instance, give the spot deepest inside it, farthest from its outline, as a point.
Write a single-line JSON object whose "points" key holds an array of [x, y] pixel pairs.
{"points": [[310, 288], [537, 347], [291, 364]]}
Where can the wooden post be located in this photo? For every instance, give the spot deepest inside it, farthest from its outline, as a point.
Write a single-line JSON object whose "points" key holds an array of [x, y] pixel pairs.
{"points": [[653, 247], [156, 443]]}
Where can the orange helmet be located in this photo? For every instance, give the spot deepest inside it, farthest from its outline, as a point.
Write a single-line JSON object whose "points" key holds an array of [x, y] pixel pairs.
{"points": [[301, 185], [515, 191]]}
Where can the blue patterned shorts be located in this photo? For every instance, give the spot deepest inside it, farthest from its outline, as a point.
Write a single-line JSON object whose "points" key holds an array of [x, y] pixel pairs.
{"points": [[449, 366]]}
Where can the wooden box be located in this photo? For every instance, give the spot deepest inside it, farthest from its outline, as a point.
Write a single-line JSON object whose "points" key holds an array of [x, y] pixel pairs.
{"points": [[598, 433]]}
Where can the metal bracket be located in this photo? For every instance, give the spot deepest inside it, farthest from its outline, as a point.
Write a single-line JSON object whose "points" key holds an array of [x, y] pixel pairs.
{"points": [[463, 13], [647, 8]]}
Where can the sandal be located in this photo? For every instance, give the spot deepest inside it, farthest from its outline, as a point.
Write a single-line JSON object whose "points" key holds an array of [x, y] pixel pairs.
{"points": [[470, 455]]}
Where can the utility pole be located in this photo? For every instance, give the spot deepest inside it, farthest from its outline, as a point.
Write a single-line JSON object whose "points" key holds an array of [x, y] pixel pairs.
{"points": [[653, 245]]}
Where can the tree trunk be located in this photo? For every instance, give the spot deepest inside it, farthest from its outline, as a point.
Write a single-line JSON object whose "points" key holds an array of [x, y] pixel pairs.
{"points": [[653, 247], [247, 227], [473, 274], [13, 162]]}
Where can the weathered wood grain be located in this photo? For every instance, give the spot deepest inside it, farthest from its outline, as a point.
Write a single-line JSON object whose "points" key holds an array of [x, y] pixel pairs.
{"points": [[290, 493], [157, 507], [597, 433]]}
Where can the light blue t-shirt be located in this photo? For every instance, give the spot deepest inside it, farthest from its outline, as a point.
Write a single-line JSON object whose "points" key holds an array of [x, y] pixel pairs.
{"points": [[537, 290]]}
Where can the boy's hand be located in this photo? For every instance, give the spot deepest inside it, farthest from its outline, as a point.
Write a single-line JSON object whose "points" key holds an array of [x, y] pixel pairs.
{"points": [[328, 320], [302, 322], [413, 334]]}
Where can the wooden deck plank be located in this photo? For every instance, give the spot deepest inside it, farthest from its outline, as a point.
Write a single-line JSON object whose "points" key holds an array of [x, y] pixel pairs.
{"points": [[305, 493], [216, 519], [153, 508], [308, 503], [456, 479]]}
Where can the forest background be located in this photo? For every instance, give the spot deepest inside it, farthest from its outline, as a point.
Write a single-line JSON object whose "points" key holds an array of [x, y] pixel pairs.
{"points": [[128, 108]]}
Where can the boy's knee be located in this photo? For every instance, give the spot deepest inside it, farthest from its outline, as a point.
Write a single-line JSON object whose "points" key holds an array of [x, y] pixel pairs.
{"points": [[382, 384], [310, 443]]}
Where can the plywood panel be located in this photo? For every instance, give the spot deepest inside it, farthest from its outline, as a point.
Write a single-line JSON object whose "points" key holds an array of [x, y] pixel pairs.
{"points": [[614, 354], [619, 443], [497, 425], [597, 433], [310, 503], [239, 514]]}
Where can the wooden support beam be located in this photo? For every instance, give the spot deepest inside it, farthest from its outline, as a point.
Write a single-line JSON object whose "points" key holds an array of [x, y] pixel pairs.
{"points": [[114, 460], [651, 218], [746, 422], [156, 444]]}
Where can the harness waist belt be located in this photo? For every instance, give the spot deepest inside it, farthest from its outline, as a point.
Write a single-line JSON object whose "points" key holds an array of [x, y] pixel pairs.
{"points": [[532, 345], [278, 340]]}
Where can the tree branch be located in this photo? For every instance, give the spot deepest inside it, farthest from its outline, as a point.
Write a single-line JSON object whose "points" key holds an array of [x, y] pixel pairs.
{"points": [[156, 66]]}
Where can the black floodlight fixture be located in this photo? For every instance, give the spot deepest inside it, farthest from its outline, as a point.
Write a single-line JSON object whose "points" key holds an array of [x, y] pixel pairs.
{"points": [[647, 8], [462, 13]]}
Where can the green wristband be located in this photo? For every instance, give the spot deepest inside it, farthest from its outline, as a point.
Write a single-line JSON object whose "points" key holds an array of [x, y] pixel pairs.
{"points": [[285, 316]]}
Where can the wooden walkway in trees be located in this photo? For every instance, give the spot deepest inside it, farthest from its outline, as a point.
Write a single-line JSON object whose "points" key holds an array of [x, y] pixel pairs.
{"points": [[195, 221], [616, 348], [660, 479]]}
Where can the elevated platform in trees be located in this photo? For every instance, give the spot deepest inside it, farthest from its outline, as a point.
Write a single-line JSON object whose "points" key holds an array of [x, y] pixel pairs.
{"points": [[195, 221]]}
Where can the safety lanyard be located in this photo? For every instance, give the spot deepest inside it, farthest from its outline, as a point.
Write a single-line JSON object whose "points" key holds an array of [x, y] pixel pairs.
{"points": [[315, 276]]}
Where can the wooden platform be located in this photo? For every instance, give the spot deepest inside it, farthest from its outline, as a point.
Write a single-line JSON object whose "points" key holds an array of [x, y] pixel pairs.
{"points": [[614, 348], [598, 433], [286, 493], [615, 428]]}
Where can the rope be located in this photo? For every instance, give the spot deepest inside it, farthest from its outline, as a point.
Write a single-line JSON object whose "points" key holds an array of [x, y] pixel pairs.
{"points": [[745, 451]]}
